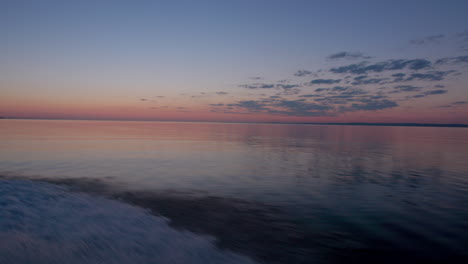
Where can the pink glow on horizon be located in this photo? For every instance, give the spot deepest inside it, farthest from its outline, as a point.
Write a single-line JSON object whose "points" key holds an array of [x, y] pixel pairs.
{"points": [[133, 112]]}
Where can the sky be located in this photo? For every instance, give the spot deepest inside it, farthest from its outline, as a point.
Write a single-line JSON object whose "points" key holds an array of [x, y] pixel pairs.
{"points": [[236, 61]]}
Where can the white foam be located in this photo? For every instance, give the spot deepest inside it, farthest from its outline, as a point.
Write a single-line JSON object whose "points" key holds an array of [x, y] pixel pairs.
{"points": [[44, 223]]}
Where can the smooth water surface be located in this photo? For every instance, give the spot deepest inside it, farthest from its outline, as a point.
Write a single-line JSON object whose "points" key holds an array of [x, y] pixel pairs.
{"points": [[276, 193]]}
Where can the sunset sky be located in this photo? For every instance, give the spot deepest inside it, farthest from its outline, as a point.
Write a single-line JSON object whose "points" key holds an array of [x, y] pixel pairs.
{"points": [[255, 61]]}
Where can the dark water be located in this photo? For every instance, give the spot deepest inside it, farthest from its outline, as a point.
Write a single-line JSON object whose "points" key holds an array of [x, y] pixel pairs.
{"points": [[156, 192]]}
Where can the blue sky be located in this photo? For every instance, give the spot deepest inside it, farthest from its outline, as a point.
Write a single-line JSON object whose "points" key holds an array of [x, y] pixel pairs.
{"points": [[114, 53]]}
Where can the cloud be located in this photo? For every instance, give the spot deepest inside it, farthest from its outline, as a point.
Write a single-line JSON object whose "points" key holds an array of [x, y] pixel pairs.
{"points": [[364, 67], [326, 101], [297, 107], [310, 95], [258, 86], [407, 88], [291, 92], [354, 92], [429, 76], [463, 37], [221, 111], [379, 96], [453, 104], [453, 60], [363, 80], [321, 89], [370, 105], [348, 55], [339, 88], [301, 106], [304, 113], [443, 106], [360, 77], [301, 73], [427, 40], [336, 99], [345, 97], [221, 93], [428, 93], [434, 92], [361, 86], [201, 95], [399, 75], [325, 81], [251, 105], [287, 86]]}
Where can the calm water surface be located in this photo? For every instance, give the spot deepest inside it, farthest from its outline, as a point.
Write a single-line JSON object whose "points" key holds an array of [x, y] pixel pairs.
{"points": [[268, 193]]}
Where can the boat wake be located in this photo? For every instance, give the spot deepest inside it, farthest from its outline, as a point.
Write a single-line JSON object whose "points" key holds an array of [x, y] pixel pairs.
{"points": [[45, 223]]}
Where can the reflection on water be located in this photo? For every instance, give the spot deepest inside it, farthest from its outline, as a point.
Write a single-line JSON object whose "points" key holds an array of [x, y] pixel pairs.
{"points": [[327, 193]]}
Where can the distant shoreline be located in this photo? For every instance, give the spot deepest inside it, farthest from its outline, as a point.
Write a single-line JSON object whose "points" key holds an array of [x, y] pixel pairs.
{"points": [[279, 123]]}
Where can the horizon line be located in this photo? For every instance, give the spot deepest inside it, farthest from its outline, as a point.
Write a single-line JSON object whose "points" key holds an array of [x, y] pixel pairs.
{"points": [[247, 122]]}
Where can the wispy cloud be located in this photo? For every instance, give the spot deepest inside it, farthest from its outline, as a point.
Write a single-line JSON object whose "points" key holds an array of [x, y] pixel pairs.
{"points": [[340, 88], [363, 80], [325, 81], [389, 65], [435, 92], [453, 104], [463, 38], [406, 88], [427, 40], [301, 73], [453, 60], [251, 105], [321, 89], [310, 95], [257, 86], [399, 75], [371, 105], [427, 93], [348, 55], [429, 76], [287, 86]]}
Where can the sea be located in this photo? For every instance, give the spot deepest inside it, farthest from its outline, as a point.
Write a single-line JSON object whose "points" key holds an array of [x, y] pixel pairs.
{"points": [[77, 191]]}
